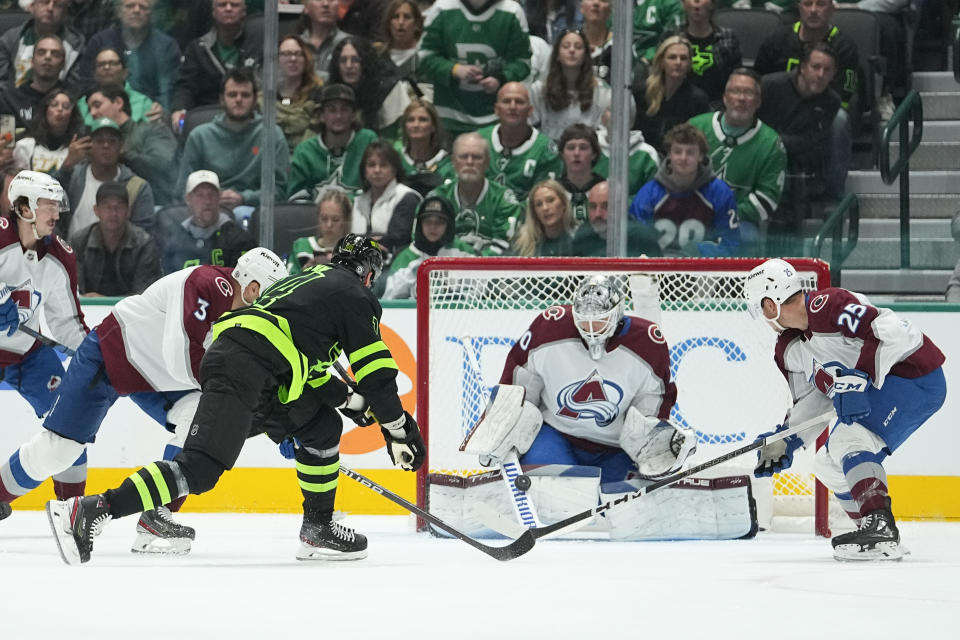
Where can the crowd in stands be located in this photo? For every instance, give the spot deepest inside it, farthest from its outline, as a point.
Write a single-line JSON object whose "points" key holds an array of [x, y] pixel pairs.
{"points": [[451, 127]]}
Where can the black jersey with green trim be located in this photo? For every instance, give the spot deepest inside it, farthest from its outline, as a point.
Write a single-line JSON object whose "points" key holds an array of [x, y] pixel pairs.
{"points": [[330, 312]]}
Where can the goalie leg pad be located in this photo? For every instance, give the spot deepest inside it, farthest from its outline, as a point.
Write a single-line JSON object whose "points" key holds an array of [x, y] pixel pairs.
{"points": [[693, 509], [659, 447], [509, 422]]}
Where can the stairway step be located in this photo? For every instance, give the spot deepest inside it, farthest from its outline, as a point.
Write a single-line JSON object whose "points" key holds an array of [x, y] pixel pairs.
{"points": [[935, 156], [887, 228], [922, 205], [934, 81], [884, 253], [940, 131], [941, 105], [896, 281], [922, 181]]}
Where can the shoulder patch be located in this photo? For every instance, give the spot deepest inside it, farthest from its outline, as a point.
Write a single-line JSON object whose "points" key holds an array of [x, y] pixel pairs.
{"points": [[4, 223], [819, 302], [225, 287], [653, 331], [555, 312], [63, 243]]}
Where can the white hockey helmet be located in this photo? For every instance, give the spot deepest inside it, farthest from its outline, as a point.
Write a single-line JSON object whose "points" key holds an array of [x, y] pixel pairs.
{"points": [[775, 279], [261, 265], [34, 185], [597, 310]]}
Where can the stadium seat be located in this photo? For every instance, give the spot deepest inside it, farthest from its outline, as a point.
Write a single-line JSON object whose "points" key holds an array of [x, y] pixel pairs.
{"points": [[863, 28], [197, 116], [11, 18], [752, 26], [290, 221]]}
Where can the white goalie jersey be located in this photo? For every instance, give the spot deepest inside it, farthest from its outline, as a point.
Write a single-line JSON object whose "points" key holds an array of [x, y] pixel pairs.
{"points": [[586, 398]]}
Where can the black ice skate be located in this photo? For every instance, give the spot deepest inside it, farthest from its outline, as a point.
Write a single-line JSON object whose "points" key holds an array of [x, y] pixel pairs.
{"points": [[158, 532], [5, 510], [74, 523], [877, 538], [330, 541]]}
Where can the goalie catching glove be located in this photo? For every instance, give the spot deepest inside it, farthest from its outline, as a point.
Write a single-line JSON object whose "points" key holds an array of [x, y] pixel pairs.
{"points": [[509, 422], [404, 442], [658, 447]]}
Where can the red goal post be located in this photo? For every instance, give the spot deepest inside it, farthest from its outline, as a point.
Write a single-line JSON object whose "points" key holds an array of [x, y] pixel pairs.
{"points": [[471, 310]]}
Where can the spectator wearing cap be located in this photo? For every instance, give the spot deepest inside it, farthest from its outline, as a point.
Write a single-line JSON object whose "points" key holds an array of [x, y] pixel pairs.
{"points": [[333, 157], [229, 45], [22, 100], [433, 235], [230, 145], [103, 165], [47, 18], [202, 232], [114, 257], [148, 145], [152, 57], [110, 70]]}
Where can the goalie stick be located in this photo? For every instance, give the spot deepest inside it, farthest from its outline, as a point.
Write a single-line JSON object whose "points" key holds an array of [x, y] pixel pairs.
{"points": [[513, 550], [574, 520], [50, 342]]}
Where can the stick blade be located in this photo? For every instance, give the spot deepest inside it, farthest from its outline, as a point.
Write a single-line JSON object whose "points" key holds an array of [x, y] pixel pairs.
{"points": [[515, 549]]}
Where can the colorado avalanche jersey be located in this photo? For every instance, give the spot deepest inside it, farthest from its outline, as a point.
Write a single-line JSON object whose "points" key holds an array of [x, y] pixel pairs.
{"points": [[587, 398], [155, 341], [845, 330], [51, 270]]}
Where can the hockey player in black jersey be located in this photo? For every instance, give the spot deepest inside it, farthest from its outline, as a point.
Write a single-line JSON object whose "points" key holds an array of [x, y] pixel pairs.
{"points": [[266, 371]]}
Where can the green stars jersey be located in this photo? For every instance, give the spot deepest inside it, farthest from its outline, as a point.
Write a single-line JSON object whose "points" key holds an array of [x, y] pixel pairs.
{"points": [[753, 164], [314, 167], [651, 18], [520, 168], [495, 39], [642, 163], [488, 225]]}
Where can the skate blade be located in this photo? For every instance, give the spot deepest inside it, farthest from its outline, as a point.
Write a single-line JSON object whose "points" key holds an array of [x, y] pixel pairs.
{"points": [[58, 513], [149, 543], [309, 553], [880, 551]]}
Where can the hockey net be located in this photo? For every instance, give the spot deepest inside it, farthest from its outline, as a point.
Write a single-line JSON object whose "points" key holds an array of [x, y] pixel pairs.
{"points": [[472, 310]]}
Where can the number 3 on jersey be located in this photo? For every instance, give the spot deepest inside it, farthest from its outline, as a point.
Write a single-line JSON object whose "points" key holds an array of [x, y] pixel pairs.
{"points": [[851, 316], [201, 312]]}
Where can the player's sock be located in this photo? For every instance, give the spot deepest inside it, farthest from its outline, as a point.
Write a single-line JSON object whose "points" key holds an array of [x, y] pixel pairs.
{"points": [[14, 479], [848, 504], [148, 488], [317, 474], [72, 482], [867, 480]]}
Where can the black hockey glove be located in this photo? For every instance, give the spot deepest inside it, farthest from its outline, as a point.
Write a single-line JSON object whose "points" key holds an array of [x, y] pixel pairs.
{"points": [[357, 409], [404, 442]]}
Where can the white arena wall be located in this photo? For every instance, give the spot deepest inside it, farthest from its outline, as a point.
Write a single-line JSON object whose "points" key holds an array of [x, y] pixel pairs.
{"points": [[924, 473]]}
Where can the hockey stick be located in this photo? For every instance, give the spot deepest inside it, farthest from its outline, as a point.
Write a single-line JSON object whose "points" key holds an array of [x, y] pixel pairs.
{"points": [[776, 437], [513, 550], [50, 342]]}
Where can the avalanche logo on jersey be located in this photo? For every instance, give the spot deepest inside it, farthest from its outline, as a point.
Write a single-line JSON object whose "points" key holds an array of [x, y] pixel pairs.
{"points": [[591, 399], [819, 302]]}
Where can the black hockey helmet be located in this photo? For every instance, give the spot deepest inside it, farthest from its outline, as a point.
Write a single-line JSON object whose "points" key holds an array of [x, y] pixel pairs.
{"points": [[360, 254]]}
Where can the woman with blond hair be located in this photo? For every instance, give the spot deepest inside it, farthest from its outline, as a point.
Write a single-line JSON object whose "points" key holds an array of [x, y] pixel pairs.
{"points": [[571, 92], [334, 218], [548, 226], [670, 97]]}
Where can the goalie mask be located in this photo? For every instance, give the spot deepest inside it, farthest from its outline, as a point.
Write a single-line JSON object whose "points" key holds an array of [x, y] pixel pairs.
{"points": [[775, 279], [360, 254], [597, 310]]}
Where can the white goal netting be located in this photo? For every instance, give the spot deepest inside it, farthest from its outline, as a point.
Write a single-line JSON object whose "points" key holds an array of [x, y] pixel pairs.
{"points": [[472, 310]]}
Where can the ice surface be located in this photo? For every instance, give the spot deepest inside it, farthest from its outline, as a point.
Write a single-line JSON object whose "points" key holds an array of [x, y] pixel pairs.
{"points": [[241, 581]]}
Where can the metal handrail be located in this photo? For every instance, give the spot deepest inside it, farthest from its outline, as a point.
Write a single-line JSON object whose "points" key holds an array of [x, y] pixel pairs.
{"points": [[840, 250], [909, 112]]}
